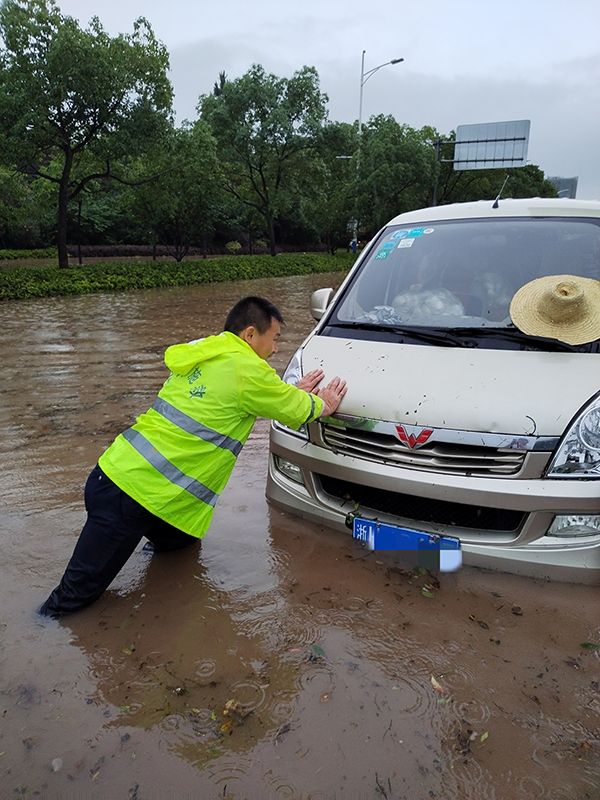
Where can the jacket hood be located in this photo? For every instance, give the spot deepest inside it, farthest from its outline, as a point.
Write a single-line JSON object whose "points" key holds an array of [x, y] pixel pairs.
{"points": [[181, 358]]}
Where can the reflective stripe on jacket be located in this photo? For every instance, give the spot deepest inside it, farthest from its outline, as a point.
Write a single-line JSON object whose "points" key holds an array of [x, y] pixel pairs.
{"points": [[177, 457]]}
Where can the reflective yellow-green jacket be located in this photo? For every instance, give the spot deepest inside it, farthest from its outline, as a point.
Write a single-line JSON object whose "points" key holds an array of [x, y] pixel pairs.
{"points": [[177, 458]]}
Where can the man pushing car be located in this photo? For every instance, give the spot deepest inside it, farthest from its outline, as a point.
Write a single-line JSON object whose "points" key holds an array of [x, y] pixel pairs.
{"points": [[162, 477]]}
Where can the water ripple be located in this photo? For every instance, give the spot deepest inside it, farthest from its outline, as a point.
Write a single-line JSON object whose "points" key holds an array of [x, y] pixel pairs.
{"points": [[250, 695], [205, 668]]}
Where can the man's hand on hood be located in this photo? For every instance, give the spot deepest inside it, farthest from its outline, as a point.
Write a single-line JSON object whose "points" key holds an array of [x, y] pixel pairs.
{"points": [[331, 395], [311, 380]]}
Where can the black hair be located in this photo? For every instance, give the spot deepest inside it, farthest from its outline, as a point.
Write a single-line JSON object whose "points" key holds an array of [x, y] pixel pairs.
{"points": [[254, 311]]}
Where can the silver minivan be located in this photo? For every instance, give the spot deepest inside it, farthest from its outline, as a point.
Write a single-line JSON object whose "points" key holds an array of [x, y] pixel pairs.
{"points": [[458, 424]]}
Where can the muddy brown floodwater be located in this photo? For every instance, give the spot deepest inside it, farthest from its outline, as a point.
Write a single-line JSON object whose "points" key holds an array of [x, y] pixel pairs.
{"points": [[274, 660]]}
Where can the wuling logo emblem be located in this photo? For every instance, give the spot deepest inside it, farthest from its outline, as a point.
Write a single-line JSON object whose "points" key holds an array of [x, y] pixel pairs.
{"points": [[412, 436]]}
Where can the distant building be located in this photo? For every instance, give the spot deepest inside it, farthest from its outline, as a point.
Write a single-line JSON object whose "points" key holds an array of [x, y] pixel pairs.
{"points": [[566, 187]]}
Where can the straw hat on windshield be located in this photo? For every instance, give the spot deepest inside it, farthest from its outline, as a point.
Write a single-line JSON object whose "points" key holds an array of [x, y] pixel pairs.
{"points": [[563, 307]]}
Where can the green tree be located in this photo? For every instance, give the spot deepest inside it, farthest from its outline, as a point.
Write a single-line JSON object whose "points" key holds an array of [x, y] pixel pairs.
{"points": [[13, 208], [267, 131], [182, 206], [397, 167], [331, 203], [76, 96]]}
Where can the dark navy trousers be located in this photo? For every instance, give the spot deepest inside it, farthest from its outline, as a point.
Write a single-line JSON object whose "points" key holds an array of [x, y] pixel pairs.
{"points": [[115, 526]]}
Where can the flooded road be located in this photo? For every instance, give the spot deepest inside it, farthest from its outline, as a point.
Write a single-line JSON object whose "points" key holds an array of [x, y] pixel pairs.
{"points": [[274, 659]]}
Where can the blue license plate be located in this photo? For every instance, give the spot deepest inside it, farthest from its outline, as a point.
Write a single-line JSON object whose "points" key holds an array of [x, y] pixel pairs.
{"points": [[431, 551]]}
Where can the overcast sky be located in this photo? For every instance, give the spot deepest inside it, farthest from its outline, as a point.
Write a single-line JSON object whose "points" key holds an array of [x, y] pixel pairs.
{"points": [[466, 61]]}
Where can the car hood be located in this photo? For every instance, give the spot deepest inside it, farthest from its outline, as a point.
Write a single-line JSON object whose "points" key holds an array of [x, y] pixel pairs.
{"points": [[496, 391]]}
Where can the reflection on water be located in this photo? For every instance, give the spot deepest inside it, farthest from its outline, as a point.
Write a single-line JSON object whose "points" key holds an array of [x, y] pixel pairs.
{"points": [[274, 659]]}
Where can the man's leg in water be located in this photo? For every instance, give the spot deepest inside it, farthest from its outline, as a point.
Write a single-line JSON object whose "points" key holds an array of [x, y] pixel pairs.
{"points": [[116, 523]]}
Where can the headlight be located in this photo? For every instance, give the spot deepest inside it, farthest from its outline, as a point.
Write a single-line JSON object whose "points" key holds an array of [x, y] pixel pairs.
{"points": [[578, 454], [293, 373]]}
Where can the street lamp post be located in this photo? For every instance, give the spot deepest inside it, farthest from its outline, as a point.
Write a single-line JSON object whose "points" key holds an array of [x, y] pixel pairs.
{"points": [[364, 77]]}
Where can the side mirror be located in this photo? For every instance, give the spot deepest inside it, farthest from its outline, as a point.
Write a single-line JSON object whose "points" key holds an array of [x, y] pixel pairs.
{"points": [[319, 302]]}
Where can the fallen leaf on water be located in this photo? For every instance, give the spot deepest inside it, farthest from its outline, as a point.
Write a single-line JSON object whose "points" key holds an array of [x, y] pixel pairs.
{"points": [[590, 645], [231, 706], [30, 742], [96, 767], [438, 686], [213, 716], [296, 650], [285, 728], [443, 700], [318, 650], [484, 736], [326, 697], [425, 593], [127, 651], [226, 725]]}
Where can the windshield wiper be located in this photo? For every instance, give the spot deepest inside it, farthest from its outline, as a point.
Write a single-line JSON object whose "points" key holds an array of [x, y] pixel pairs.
{"points": [[439, 336], [468, 337], [515, 335]]}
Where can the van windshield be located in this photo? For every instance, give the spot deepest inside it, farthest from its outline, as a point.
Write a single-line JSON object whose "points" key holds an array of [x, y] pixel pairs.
{"points": [[463, 274]]}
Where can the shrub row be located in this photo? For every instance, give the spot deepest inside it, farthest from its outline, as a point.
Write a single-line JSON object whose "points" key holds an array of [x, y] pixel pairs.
{"points": [[26, 282], [147, 251], [11, 255]]}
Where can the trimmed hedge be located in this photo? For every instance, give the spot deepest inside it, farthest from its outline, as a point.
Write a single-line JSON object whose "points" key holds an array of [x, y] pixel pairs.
{"points": [[147, 252], [25, 282], [12, 255]]}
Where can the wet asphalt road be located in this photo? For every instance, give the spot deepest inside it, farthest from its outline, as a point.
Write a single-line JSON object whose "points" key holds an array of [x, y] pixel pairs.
{"points": [[274, 659]]}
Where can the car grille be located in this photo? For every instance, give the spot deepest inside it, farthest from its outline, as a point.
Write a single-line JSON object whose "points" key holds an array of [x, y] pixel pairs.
{"points": [[435, 456], [422, 509]]}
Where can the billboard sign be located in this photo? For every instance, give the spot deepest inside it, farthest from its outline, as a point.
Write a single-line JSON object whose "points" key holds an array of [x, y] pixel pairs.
{"points": [[492, 144]]}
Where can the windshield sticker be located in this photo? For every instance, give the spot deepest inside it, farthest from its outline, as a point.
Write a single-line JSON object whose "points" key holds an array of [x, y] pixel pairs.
{"points": [[429, 230], [416, 232], [383, 254], [406, 243], [398, 235], [388, 246]]}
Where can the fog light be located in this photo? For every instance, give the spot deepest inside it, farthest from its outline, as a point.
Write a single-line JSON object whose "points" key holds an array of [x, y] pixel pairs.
{"points": [[568, 525], [291, 471]]}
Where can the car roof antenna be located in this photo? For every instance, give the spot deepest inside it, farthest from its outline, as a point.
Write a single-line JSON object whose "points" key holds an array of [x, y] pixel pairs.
{"points": [[496, 203]]}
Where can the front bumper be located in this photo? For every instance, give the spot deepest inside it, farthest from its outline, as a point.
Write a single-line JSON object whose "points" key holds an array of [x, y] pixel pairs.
{"points": [[522, 549]]}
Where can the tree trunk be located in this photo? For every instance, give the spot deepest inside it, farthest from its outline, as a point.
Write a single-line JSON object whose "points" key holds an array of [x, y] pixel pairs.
{"points": [[63, 209], [271, 233], [79, 259]]}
